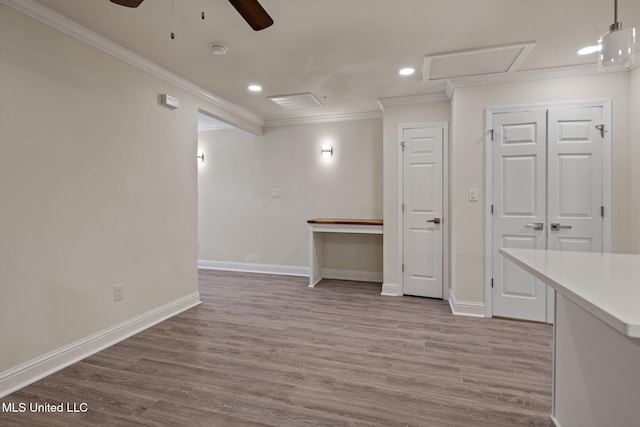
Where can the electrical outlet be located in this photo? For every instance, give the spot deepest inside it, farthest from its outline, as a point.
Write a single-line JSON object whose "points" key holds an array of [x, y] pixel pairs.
{"points": [[118, 292]]}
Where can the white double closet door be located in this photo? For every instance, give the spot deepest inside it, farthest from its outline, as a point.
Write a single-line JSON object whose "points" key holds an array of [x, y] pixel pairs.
{"points": [[547, 187]]}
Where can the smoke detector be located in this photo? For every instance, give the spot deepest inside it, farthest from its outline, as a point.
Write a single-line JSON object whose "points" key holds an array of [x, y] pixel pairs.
{"points": [[218, 48]]}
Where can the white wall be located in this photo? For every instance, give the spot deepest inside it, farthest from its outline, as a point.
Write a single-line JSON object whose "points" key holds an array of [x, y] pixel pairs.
{"points": [[467, 158], [98, 186], [634, 159], [239, 220]]}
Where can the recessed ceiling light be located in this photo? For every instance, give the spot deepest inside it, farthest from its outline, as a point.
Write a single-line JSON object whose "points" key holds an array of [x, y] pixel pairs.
{"points": [[588, 50], [255, 88], [407, 71]]}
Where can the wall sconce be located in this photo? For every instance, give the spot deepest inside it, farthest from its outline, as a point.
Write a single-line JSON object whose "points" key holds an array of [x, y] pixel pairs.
{"points": [[327, 151], [201, 157]]}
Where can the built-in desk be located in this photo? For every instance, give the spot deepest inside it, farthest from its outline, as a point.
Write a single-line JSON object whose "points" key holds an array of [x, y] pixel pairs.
{"points": [[596, 354], [319, 226]]}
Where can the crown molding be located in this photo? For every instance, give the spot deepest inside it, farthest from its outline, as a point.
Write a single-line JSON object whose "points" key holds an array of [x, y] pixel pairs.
{"points": [[207, 128], [449, 90], [493, 79], [527, 75], [414, 99], [323, 119], [61, 23]]}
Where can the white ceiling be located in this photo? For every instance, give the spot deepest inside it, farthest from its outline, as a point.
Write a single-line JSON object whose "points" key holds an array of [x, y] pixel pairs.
{"points": [[346, 50]]}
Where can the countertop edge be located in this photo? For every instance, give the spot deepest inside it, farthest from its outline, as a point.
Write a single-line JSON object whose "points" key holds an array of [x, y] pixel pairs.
{"points": [[627, 329]]}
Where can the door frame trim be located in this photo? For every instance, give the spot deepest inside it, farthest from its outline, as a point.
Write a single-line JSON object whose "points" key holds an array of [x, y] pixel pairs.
{"points": [[445, 201], [607, 172]]}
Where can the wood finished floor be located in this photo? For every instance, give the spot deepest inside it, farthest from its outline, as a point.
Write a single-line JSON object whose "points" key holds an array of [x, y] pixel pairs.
{"points": [[266, 350]]}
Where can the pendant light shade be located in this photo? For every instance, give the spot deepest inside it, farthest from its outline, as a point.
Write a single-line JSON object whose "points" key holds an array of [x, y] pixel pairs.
{"points": [[617, 47]]}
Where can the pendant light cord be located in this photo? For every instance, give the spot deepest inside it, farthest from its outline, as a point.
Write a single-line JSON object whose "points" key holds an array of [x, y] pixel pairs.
{"points": [[173, 34], [616, 25]]}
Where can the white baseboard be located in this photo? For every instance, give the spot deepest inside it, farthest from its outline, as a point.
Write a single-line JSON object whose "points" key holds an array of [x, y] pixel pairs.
{"points": [[361, 276], [391, 290], [287, 270], [465, 308], [555, 421], [29, 372], [254, 268]]}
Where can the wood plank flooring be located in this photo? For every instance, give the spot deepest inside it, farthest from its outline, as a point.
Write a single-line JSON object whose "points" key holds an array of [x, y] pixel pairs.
{"points": [[267, 350]]}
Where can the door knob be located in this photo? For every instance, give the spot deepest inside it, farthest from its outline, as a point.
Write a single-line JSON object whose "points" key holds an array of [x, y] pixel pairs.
{"points": [[434, 220]]}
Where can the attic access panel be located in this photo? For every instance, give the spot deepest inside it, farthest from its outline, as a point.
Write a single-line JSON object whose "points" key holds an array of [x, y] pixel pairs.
{"points": [[475, 62]]}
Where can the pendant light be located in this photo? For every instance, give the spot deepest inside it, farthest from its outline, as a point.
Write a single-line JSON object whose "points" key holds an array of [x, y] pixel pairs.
{"points": [[617, 46]]}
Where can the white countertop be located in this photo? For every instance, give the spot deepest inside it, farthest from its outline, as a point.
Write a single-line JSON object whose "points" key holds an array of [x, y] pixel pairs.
{"points": [[606, 285]]}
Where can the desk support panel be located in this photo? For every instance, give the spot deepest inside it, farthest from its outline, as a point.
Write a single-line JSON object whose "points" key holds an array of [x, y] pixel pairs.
{"points": [[320, 226]]}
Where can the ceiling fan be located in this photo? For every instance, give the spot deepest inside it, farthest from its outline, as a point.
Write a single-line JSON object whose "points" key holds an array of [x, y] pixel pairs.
{"points": [[250, 10]]}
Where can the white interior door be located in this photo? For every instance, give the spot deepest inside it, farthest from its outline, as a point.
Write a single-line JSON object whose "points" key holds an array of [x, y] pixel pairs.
{"points": [[547, 187], [423, 208], [519, 205], [575, 180]]}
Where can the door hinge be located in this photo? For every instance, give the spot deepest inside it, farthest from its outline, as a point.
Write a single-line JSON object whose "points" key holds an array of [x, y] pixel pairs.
{"points": [[491, 209], [403, 208], [491, 132], [402, 144], [602, 211], [601, 129], [492, 283], [403, 268]]}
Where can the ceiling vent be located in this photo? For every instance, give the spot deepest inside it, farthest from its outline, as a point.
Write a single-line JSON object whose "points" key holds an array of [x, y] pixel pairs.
{"points": [[297, 100], [476, 62]]}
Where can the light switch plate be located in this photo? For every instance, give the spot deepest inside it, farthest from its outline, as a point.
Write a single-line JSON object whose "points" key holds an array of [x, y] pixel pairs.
{"points": [[276, 193], [473, 194]]}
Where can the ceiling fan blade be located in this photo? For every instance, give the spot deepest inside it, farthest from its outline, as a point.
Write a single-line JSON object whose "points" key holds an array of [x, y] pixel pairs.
{"points": [[253, 13], [128, 3]]}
